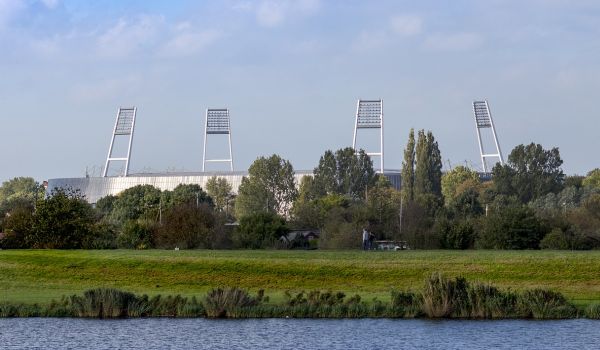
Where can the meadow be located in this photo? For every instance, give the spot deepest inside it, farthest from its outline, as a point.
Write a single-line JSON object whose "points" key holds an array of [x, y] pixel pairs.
{"points": [[39, 276]]}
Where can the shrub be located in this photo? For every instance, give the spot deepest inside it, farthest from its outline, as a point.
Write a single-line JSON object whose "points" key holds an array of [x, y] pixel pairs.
{"points": [[102, 303], [442, 297], [136, 234], [186, 226], [593, 311], [260, 230], [547, 304], [229, 302]]}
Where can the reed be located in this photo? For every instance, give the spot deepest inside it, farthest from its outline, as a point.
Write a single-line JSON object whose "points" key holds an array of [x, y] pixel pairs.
{"points": [[229, 302]]}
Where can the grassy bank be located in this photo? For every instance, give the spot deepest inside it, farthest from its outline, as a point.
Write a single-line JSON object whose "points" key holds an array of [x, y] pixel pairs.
{"points": [[38, 276]]}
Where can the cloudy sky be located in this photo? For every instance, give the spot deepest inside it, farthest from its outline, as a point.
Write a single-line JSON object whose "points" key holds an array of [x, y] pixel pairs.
{"points": [[291, 71]]}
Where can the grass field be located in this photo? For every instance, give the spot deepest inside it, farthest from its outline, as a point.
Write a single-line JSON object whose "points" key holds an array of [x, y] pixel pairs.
{"points": [[42, 275]]}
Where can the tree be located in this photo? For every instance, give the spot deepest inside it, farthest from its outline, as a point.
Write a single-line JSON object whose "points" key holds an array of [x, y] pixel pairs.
{"points": [[428, 168], [531, 172], [64, 220], [408, 168], [186, 194], [592, 179], [345, 172], [383, 206], [513, 227], [455, 178], [220, 191], [260, 230], [186, 226], [269, 187], [141, 201], [19, 192]]}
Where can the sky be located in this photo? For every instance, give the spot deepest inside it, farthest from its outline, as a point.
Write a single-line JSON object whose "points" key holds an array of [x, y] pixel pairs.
{"points": [[291, 71]]}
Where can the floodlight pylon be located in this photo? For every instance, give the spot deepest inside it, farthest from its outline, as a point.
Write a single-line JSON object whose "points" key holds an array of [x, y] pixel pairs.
{"points": [[217, 123], [484, 120], [369, 115], [124, 126]]}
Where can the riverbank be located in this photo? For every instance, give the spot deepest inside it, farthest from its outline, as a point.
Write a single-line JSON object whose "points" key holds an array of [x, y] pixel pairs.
{"points": [[39, 276]]}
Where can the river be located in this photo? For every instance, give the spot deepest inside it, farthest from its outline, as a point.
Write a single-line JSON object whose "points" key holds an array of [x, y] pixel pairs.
{"points": [[265, 334]]}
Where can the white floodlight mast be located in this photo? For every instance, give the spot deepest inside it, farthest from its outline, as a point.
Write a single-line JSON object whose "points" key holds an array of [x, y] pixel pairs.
{"points": [[369, 115], [124, 126], [483, 119], [217, 122]]}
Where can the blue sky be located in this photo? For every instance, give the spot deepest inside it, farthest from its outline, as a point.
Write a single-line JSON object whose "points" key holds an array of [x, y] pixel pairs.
{"points": [[291, 72]]}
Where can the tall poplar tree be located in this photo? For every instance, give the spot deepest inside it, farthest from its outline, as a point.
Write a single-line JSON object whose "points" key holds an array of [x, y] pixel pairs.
{"points": [[428, 170], [408, 168]]}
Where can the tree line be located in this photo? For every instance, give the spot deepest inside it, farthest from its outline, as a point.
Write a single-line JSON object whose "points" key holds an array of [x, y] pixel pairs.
{"points": [[529, 203]]}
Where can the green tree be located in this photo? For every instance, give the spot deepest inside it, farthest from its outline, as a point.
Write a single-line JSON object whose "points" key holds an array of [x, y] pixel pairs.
{"points": [[220, 191], [64, 220], [512, 227], [428, 168], [592, 179], [531, 172], [19, 192], [260, 230], [141, 201], [186, 194], [408, 168], [454, 179], [186, 226], [383, 205], [269, 187], [345, 172]]}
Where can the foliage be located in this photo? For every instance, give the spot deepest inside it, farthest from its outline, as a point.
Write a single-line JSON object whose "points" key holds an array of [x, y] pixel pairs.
{"points": [[428, 169], [531, 172], [186, 226], [64, 220], [592, 179], [19, 192], [343, 227], [270, 187], [228, 302], [346, 172], [186, 194], [547, 304], [383, 209], [136, 234], [408, 168], [102, 303], [221, 192], [512, 227], [260, 230], [17, 226], [138, 202], [456, 234], [456, 181]]}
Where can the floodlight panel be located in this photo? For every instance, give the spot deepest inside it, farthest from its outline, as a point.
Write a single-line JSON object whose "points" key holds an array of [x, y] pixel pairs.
{"points": [[217, 121], [369, 114], [482, 114], [125, 121]]}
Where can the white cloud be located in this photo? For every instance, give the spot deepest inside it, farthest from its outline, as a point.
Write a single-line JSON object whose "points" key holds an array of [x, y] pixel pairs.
{"points": [[9, 9], [126, 38], [188, 41], [50, 3], [453, 42], [406, 25], [272, 13]]}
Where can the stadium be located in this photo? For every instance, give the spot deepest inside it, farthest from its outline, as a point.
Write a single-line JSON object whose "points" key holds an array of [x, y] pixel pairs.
{"points": [[369, 115]]}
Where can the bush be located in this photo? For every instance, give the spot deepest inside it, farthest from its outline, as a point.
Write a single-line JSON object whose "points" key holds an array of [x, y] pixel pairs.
{"points": [[443, 297], [593, 311], [556, 239], [186, 226], [511, 227], [260, 230], [458, 234], [547, 304], [136, 234], [103, 303], [229, 302]]}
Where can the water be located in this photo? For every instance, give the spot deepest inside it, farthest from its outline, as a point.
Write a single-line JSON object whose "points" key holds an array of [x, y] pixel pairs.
{"points": [[46, 333]]}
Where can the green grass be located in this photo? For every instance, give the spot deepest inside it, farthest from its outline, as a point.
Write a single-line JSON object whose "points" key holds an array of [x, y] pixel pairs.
{"points": [[42, 275]]}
